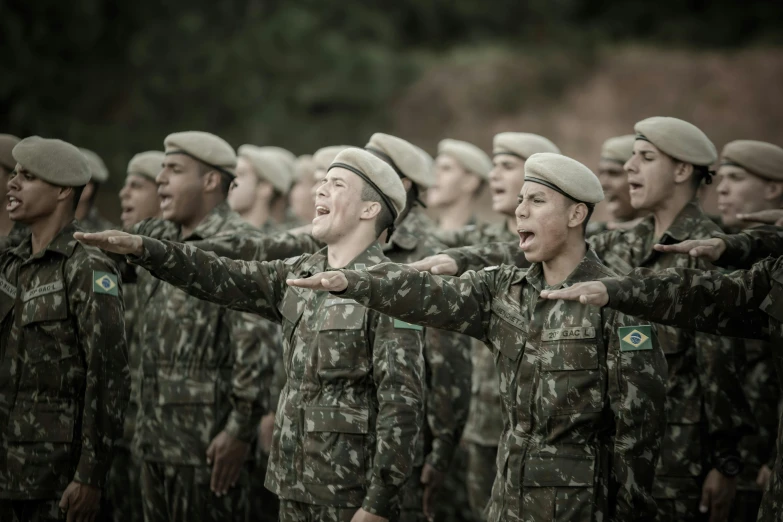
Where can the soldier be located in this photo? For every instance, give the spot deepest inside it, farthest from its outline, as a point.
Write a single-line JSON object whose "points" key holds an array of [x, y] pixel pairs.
{"points": [[351, 410], [300, 198], [64, 362], [260, 187], [615, 152], [7, 163], [461, 173], [139, 201], [203, 366], [280, 211], [323, 158], [87, 213], [583, 390]]}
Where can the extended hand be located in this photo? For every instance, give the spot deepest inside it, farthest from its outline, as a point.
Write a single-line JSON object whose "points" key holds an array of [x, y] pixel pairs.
{"points": [[592, 293], [80, 502], [769, 217], [364, 516], [765, 473], [114, 241], [432, 480], [325, 281], [440, 264], [710, 249], [717, 494], [227, 455], [266, 431]]}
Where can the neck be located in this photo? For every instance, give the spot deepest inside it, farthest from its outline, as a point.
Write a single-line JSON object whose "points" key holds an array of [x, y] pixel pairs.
{"points": [[257, 216], [6, 225], [346, 249], [277, 210], [456, 216], [82, 209], [208, 205], [45, 230], [665, 215], [511, 224], [558, 269]]}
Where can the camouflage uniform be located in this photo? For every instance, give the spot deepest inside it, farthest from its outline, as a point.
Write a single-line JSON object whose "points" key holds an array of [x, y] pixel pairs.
{"points": [[64, 378], [201, 372], [352, 407], [474, 235], [94, 222], [707, 409], [748, 303], [583, 415]]}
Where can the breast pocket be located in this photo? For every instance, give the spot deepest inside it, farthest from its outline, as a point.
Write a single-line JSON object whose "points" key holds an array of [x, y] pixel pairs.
{"points": [[291, 308], [342, 343], [571, 378], [51, 334], [334, 446]]}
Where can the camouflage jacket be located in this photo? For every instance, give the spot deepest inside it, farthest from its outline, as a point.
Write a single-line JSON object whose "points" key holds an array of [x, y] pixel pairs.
{"points": [[352, 407], [130, 296], [448, 367], [583, 411], [747, 303], [94, 222], [751, 245], [64, 379], [475, 234], [202, 365]]}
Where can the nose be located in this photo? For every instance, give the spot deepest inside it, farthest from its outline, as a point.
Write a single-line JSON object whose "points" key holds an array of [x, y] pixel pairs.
{"points": [[13, 183], [522, 211], [723, 187], [494, 174], [162, 178], [632, 164], [124, 192]]}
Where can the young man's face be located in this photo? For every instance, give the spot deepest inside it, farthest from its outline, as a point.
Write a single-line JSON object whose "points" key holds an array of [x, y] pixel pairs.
{"points": [[29, 198], [505, 181], [180, 188], [542, 222], [452, 183], [614, 181], [301, 199], [338, 205], [138, 200], [651, 176], [740, 192]]}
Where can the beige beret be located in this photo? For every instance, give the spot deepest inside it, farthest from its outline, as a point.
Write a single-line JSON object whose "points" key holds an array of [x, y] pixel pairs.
{"points": [[204, 147], [468, 155], [763, 159], [405, 158], [377, 173], [287, 157], [619, 149], [304, 166], [565, 175], [679, 139], [522, 144], [98, 171], [53, 161], [147, 164], [7, 144], [325, 156], [268, 166]]}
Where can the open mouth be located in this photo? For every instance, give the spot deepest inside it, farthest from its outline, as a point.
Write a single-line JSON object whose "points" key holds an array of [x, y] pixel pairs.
{"points": [[126, 210], [165, 201], [321, 210], [525, 238], [634, 186], [13, 204]]}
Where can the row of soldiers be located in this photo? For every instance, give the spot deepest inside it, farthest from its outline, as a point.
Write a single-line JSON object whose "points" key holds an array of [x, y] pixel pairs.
{"points": [[242, 359]]}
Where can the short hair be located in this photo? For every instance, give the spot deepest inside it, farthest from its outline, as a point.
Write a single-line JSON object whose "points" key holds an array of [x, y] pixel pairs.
{"points": [[384, 219], [701, 173], [225, 180], [77, 195]]}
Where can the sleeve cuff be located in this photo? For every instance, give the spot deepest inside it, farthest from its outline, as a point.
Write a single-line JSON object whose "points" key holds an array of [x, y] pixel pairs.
{"points": [[441, 455], [241, 427], [379, 500], [91, 470], [735, 250]]}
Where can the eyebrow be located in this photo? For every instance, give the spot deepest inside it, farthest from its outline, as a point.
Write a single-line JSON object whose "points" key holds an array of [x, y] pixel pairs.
{"points": [[533, 194]]}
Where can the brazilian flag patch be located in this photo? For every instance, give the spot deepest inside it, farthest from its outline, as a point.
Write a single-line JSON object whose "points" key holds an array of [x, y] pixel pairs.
{"points": [[104, 283], [402, 325], [635, 338]]}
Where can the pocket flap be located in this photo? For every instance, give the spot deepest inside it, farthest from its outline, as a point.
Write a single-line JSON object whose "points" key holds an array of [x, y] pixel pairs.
{"points": [[185, 390], [337, 419], [773, 303], [289, 307], [546, 470], [42, 423], [343, 314], [51, 306], [571, 356]]}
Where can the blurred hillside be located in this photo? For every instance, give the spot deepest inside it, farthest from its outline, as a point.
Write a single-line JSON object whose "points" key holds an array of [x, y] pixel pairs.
{"points": [[117, 77]]}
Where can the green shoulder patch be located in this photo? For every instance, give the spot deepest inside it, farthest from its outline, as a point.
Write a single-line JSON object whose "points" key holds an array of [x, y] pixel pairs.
{"points": [[635, 338], [402, 325], [104, 283]]}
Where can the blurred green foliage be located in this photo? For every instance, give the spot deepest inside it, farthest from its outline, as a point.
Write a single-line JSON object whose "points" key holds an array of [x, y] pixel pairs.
{"points": [[117, 76]]}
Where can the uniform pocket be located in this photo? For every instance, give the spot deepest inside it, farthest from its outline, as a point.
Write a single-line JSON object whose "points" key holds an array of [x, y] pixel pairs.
{"points": [[342, 343], [681, 451], [558, 487], [52, 336], [571, 379], [334, 445]]}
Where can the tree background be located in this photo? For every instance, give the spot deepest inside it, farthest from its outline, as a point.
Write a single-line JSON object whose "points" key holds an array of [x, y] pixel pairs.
{"points": [[117, 77]]}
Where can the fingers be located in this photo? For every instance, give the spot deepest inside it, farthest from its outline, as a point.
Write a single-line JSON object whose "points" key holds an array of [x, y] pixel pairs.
{"points": [[313, 283], [425, 265], [233, 471], [429, 511], [220, 474], [444, 269], [215, 478], [65, 499], [769, 217], [211, 452], [704, 504], [678, 248]]}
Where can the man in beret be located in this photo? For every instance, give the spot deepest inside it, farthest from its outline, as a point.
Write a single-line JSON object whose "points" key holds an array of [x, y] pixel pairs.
{"points": [[352, 407], [584, 390], [87, 212], [7, 164], [64, 362], [300, 198], [260, 188], [282, 214], [202, 366]]}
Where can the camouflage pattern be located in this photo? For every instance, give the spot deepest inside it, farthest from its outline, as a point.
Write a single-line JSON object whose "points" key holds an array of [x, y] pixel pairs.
{"points": [[94, 222], [31, 511], [583, 418], [123, 496], [291, 511], [751, 245], [747, 303], [481, 470], [475, 234], [203, 368], [181, 494], [352, 407], [64, 379]]}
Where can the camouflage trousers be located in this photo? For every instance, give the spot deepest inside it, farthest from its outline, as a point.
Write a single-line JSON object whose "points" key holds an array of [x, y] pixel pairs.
{"points": [[45, 510], [122, 499], [173, 493], [264, 505], [291, 511], [482, 468], [453, 503]]}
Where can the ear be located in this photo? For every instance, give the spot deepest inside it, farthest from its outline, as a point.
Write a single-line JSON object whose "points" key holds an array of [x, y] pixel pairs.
{"points": [[472, 183], [577, 215], [211, 181], [264, 190], [682, 172], [370, 210], [773, 190], [65, 192]]}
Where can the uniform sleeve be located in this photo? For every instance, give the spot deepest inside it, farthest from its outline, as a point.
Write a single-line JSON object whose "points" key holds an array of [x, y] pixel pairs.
{"points": [[708, 301], [749, 246], [260, 247], [637, 395], [253, 339], [477, 257], [101, 331], [398, 369], [448, 392], [247, 286], [456, 238], [449, 303]]}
